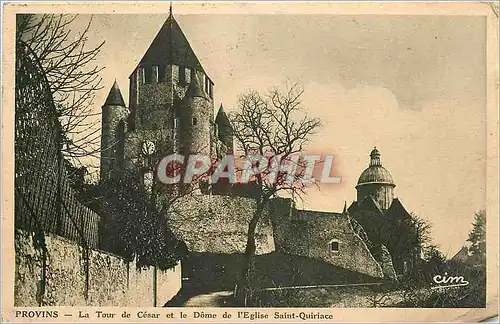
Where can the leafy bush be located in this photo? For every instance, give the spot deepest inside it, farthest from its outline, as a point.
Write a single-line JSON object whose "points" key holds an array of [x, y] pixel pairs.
{"points": [[133, 226]]}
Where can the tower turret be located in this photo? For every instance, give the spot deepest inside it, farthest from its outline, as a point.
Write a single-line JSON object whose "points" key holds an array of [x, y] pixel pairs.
{"points": [[224, 131], [114, 114], [376, 182], [196, 115]]}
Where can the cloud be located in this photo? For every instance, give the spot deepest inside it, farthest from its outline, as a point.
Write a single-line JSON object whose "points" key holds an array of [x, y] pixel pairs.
{"points": [[436, 154], [411, 85]]}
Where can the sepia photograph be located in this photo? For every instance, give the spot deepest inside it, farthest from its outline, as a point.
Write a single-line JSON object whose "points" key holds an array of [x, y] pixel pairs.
{"points": [[269, 158]]}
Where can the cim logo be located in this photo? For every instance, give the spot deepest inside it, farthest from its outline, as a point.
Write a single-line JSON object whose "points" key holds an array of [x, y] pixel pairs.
{"points": [[447, 282]]}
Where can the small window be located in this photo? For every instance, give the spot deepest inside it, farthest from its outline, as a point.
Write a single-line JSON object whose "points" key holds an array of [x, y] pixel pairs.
{"points": [[195, 121], [182, 74], [176, 123], [334, 245], [148, 74], [189, 75], [142, 75], [161, 73], [155, 73]]}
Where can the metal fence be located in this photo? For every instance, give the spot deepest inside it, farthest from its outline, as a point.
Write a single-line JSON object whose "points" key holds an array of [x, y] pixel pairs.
{"points": [[44, 199]]}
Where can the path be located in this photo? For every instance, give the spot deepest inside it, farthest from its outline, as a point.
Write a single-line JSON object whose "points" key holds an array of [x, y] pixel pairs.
{"points": [[221, 298], [323, 286], [215, 299]]}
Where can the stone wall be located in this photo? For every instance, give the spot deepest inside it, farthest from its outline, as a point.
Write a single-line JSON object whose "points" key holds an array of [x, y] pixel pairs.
{"points": [[219, 224], [379, 252], [47, 203], [310, 233], [54, 271]]}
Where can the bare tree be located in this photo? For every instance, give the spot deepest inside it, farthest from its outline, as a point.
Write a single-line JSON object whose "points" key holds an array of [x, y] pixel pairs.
{"points": [[72, 76], [272, 125]]}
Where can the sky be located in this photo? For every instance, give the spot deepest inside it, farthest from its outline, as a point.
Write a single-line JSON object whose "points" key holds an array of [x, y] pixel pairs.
{"points": [[413, 86]]}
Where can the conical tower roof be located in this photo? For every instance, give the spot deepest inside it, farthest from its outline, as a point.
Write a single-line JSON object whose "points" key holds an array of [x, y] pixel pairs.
{"points": [[194, 89], [170, 46], [221, 118], [115, 97]]}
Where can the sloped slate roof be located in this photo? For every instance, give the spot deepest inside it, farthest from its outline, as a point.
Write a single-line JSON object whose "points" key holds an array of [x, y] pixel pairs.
{"points": [[194, 89], [115, 96], [397, 210], [370, 204], [221, 118], [313, 213], [171, 46]]}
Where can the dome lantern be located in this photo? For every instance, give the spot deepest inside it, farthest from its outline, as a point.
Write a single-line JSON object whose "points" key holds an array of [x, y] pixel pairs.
{"points": [[375, 157]]}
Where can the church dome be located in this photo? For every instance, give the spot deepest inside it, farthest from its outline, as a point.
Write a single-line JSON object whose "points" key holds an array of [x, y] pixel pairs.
{"points": [[375, 173]]}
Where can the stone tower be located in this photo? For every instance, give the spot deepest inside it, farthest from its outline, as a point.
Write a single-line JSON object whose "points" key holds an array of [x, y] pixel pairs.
{"points": [[195, 116], [376, 182], [224, 132], [114, 114], [170, 91]]}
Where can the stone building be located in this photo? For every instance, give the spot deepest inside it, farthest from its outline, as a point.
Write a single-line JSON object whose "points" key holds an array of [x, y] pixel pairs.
{"points": [[332, 237], [387, 223], [171, 109]]}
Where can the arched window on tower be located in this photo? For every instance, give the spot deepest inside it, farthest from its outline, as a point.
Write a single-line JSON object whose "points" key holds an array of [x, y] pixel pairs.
{"points": [[192, 74], [161, 73], [189, 75], [207, 81], [195, 121], [182, 74], [148, 74], [155, 74], [142, 75]]}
